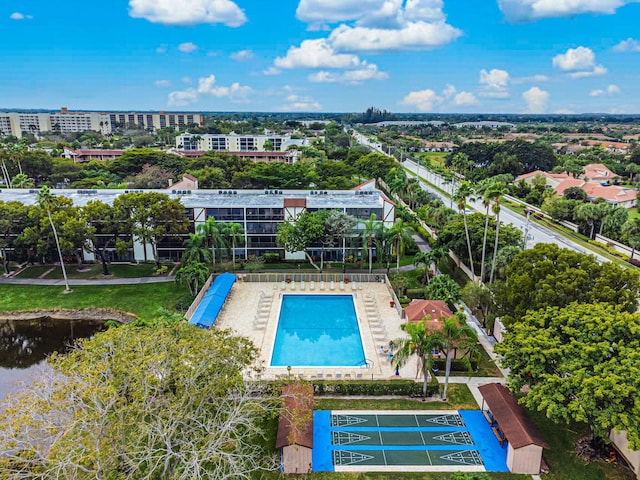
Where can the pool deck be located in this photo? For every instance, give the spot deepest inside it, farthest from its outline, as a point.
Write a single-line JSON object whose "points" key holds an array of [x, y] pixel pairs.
{"points": [[252, 310]]}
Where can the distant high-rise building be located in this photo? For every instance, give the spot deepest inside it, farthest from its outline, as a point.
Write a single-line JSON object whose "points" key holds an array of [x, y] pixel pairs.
{"points": [[18, 124]]}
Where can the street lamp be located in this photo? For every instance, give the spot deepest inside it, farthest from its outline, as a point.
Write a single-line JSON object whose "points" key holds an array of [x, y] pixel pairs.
{"points": [[289, 371]]}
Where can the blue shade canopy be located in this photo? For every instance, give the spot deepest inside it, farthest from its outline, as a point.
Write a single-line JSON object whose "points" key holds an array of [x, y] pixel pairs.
{"points": [[212, 302]]}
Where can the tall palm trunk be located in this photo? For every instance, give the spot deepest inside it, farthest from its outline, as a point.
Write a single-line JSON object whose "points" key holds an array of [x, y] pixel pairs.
{"points": [[447, 371], [55, 236], [484, 244], [495, 246], [466, 231]]}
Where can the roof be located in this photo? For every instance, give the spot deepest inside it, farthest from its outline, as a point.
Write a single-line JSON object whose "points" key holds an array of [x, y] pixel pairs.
{"points": [[595, 190], [418, 309], [295, 426], [295, 202], [211, 304], [511, 417], [597, 170], [568, 183]]}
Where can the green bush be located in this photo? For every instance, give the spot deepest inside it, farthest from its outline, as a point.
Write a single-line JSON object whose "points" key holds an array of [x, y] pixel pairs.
{"points": [[415, 293], [456, 365], [407, 388], [271, 258]]}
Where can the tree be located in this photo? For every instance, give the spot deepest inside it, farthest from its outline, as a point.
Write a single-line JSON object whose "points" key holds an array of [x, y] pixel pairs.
{"points": [[193, 274], [306, 231], [151, 217], [421, 343], [580, 363], [213, 231], [443, 287], [400, 234], [195, 250], [478, 298], [368, 235], [22, 181], [589, 213], [234, 232], [105, 221], [133, 402], [612, 223], [13, 220], [498, 190], [575, 193], [337, 226], [464, 191], [488, 195], [547, 275], [631, 233], [456, 333], [46, 200]]}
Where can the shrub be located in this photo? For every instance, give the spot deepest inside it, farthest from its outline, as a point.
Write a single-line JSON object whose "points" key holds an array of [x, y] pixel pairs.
{"points": [[162, 270], [456, 365], [271, 257], [405, 388], [415, 293]]}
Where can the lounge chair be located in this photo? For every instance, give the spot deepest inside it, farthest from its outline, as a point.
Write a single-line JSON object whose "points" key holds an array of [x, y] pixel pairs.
{"points": [[293, 285], [338, 374], [358, 375], [353, 286], [283, 286], [341, 285], [302, 285], [321, 284], [332, 285], [320, 375], [312, 285]]}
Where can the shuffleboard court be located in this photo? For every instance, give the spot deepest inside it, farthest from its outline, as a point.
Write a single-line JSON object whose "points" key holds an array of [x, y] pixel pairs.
{"points": [[397, 420], [405, 441], [400, 437], [346, 458]]}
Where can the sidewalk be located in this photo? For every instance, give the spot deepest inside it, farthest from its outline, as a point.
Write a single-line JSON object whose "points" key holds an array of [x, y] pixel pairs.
{"points": [[106, 281]]}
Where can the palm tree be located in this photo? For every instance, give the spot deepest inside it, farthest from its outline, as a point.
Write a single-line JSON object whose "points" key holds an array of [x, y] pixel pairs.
{"points": [[631, 234], [613, 222], [212, 231], [46, 200], [193, 275], [499, 190], [22, 181], [400, 234], [196, 250], [456, 333], [234, 231], [421, 342], [486, 189], [465, 190], [588, 212], [423, 258], [368, 235]]}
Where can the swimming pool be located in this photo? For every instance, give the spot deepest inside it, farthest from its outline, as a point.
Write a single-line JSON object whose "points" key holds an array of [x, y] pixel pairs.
{"points": [[319, 331]]}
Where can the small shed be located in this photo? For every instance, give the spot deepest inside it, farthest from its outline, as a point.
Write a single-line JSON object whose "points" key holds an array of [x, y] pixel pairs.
{"points": [[510, 424], [295, 428]]}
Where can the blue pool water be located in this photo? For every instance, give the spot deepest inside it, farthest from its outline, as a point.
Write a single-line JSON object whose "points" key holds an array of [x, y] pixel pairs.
{"points": [[318, 331]]}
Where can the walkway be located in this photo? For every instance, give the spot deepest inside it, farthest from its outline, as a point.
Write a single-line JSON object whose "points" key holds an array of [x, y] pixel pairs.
{"points": [[106, 281]]}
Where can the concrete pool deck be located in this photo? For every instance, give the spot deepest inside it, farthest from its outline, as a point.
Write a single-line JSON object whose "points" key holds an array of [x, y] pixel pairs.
{"points": [[253, 308]]}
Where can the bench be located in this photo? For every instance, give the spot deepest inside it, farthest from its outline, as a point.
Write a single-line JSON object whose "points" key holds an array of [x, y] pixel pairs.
{"points": [[499, 435], [492, 421]]}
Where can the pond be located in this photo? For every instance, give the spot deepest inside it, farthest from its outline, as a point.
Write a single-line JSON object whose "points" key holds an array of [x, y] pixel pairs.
{"points": [[25, 344]]}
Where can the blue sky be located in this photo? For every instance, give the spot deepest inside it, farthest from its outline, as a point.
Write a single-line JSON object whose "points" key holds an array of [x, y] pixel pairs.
{"points": [[467, 56]]}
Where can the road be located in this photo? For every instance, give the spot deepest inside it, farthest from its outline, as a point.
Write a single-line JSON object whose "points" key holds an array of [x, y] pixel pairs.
{"points": [[536, 233]]}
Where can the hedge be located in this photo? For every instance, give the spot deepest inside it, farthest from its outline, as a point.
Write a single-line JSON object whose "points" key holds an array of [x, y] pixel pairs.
{"points": [[456, 365], [415, 293], [404, 388]]}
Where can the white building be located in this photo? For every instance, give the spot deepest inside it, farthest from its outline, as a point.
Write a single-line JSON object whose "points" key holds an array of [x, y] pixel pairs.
{"points": [[260, 212], [19, 124], [234, 142]]}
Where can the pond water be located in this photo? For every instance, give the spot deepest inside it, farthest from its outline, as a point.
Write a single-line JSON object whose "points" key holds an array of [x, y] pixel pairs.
{"points": [[24, 345]]}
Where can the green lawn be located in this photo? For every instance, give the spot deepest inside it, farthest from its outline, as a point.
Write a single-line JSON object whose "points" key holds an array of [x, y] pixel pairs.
{"points": [[143, 300], [33, 271]]}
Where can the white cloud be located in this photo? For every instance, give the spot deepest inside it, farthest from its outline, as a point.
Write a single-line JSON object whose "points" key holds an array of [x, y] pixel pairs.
{"points": [[449, 91], [610, 90], [380, 25], [235, 93], [494, 83], [368, 72], [187, 47], [188, 12], [20, 16], [186, 80], [564, 111], [578, 63], [162, 83], [162, 48], [272, 71], [536, 100], [531, 10], [410, 36], [242, 55], [300, 103], [423, 100], [628, 45], [317, 54], [465, 98]]}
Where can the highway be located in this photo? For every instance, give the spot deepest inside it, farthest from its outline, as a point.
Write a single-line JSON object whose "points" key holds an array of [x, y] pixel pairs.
{"points": [[536, 233]]}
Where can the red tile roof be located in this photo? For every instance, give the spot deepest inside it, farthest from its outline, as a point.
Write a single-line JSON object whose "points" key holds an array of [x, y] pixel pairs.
{"points": [[418, 309]]}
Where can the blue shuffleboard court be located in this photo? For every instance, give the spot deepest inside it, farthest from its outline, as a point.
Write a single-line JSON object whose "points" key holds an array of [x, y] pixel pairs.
{"points": [[413, 441], [212, 302]]}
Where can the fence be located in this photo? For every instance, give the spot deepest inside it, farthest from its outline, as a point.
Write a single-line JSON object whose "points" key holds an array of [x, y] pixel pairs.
{"points": [[196, 302], [277, 277]]}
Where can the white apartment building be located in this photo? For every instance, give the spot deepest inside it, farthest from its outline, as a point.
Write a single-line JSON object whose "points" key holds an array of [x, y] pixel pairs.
{"points": [[234, 142], [18, 124]]}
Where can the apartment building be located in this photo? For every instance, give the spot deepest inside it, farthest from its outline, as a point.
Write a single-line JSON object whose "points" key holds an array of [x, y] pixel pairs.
{"points": [[18, 124], [260, 212], [234, 142]]}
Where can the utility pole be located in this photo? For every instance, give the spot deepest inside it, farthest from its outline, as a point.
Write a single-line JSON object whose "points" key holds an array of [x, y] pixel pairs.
{"points": [[526, 229]]}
